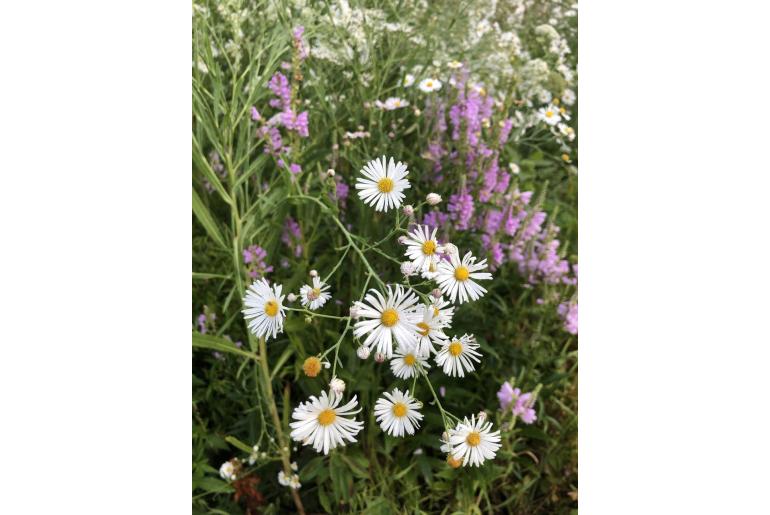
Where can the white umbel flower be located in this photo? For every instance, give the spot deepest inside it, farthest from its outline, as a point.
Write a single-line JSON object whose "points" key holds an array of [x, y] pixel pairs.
{"points": [[429, 331], [315, 296], [398, 413], [457, 355], [322, 423], [383, 184], [264, 309], [473, 441], [423, 249], [387, 318], [405, 362], [429, 85], [455, 277], [549, 114]]}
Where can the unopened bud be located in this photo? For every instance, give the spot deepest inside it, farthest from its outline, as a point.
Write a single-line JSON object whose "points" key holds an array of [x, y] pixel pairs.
{"points": [[433, 198], [291, 297], [363, 352], [379, 357], [330, 172], [313, 273], [408, 210]]}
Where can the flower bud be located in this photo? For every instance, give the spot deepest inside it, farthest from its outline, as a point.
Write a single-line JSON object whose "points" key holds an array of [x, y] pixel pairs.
{"points": [[330, 172], [433, 198], [407, 268], [514, 168], [363, 352], [402, 239], [337, 385], [313, 273], [435, 293], [408, 210], [354, 311], [291, 297], [379, 357]]}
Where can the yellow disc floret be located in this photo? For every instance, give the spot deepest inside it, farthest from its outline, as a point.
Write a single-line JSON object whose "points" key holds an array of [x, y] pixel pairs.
{"points": [[473, 439], [429, 248], [271, 308], [409, 359], [389, 317], [462, 273], [424, 328], [326, 417], [399, 409], [455, 348], [385, 185]]}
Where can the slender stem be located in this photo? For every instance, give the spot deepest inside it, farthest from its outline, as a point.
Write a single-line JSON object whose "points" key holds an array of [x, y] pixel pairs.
{"points": [[314, 314], [282, 443]]}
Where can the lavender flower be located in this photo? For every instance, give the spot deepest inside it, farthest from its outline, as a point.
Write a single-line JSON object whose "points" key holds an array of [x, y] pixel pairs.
{"points": [[569, 312], [292, 236], [520, 404], [460, 209], [254, 257]]}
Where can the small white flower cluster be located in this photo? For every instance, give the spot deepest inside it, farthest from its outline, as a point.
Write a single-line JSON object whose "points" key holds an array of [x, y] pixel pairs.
{"points": [[391, 104], [290, 481], [395, 325]]}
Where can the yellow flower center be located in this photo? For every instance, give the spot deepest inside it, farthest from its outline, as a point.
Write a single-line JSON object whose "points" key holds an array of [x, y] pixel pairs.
{"points": [[429, 84], [326, 417], [385, 185], [312, 366], [429, 247], [271, 308], [462, 273], [424, 328], [399, 409], [432, 267], [453, 462], [473, 439], [389, 317], [565, 157], [562, 110], [548, 114], [435, 311], [556, 101], [455, 348], [409, 359]]}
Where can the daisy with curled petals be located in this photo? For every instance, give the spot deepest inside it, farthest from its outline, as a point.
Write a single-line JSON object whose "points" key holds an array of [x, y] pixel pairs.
{"points": [[429, 331], [323, 423], [264, 309], [383, 183], [455, 277], [406, 361], [385, 318], [314, 297], [442, 310], [473, 441], [457, 355], [423, 249], [398, 413]]}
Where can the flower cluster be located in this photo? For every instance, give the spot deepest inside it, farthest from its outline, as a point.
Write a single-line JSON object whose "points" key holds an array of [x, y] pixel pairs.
{"points": [[254, 258], [520, 404]]}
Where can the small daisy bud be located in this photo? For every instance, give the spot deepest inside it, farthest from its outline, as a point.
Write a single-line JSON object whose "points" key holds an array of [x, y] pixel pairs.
{"points": [[408, 210], [391, 134], [330, 172], [418, 451], [482, 415], [407, 268], [363, 352], [308, 320], [402, 239], [514, 168], [417, 112], [453, 462], [353, 311], [433, 198], [312, 366], [291, 297], [436, 293], [379, 357], [337, 385], [313, 273]]}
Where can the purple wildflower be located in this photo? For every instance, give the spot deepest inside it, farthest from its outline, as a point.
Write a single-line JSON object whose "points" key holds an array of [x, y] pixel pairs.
{"points": [[279, 85], [292, 236], [302, 51], [254, 257], [255, 114], [569, 312], [520, 404], [295, 169], [460, 209]]}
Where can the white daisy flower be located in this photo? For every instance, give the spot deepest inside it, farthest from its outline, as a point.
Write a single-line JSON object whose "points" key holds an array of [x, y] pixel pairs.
{"points": [[566, 131], [391, 104], [429, 85], [429, 331], [405, 362], [473, 442], [264, 309], [422, 248], [315, 296], [230, 469], [408, 80], [442, 310], [383, 184], [454, 65], [398, 413], [386, 319], [568, 97], [455, 277], [322, 423], [457, 355], [549, 114]]}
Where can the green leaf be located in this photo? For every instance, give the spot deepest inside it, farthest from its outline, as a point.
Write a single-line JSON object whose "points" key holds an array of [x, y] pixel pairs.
{"points": [[207, 341], [238, 444], [206, 220], [214, 485]]}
